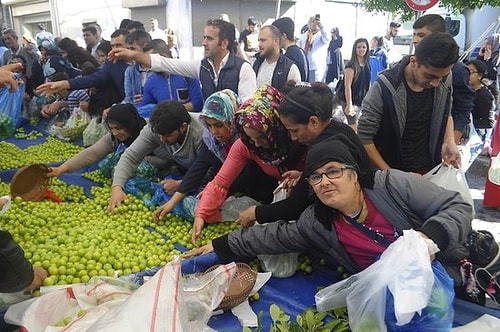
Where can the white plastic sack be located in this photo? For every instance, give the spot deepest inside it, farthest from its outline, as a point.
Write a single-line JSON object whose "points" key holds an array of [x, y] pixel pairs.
{"points": [[404, 268], [451, 178], [156, 306], [494, 170], [280, 265]]}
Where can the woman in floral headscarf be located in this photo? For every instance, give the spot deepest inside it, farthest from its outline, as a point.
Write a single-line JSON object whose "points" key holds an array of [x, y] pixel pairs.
{"points": [[263, 141], [217, 116]]}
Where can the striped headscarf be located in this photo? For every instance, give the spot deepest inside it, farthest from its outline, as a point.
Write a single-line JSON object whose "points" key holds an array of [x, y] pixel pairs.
{"points": [[221, 106]]}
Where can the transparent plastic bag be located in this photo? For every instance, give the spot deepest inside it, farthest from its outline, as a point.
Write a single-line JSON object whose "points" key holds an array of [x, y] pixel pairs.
{"points": [[76, 124], [56, 124], [234, 205], [144, 170], [94, 131], [437, 315], [10, 109], [280, 265], [404, 269]]}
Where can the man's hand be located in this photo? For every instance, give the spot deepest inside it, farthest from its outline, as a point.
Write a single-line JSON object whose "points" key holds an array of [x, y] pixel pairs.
{"points": [[196, 231], [39, 274], [51, 88], [8, 77], [124, 54], [170, 186], [121, 54], [117, 197], [246, 217], [207, 248], [450, 154]]}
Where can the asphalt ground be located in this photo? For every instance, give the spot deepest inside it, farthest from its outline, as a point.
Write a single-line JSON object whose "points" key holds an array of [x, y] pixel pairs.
{"points": [[485, 218]]}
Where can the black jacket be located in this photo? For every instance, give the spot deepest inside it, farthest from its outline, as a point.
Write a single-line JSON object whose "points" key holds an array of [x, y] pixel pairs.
{"points": [[16, 273]]}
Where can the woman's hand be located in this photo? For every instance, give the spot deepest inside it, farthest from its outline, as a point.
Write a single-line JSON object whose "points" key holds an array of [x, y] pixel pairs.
{"points": [[163, 210], [289, 180], [246, 217], [170, 186], [117, 197], [196, 231], [207, 248], [349, 111]]}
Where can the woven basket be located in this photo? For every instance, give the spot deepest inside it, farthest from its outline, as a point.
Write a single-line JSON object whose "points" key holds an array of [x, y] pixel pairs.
{"points": [[240, 286], [30, 182]]}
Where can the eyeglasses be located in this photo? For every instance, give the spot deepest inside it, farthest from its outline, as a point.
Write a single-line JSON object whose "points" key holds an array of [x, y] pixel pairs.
{"points": [[473, 72], [332, 173]]}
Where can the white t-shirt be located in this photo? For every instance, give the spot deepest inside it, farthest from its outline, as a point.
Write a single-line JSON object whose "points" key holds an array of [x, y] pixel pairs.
{"points": [[266, 70]]}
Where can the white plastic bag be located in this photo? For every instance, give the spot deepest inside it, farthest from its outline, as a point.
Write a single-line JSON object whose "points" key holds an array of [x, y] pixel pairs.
{"points": [[404, 268], [280, 265], [494, 170], [451, 178]]}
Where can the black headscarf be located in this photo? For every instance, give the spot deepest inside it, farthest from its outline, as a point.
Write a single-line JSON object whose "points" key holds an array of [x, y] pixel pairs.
{"points": [[340, 149], [127, 117]]}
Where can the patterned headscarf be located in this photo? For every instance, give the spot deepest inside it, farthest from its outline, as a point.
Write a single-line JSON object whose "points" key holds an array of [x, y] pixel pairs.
{"points": [[260, 113], [221, 106]]}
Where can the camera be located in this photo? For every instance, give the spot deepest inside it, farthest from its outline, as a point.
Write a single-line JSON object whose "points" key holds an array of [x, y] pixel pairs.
{"points": [[317, 17]]}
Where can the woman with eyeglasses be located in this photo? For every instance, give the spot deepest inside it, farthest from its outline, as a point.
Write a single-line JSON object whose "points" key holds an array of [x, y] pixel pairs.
{"points": [[357, 212], [124, 124], [263, 149]]}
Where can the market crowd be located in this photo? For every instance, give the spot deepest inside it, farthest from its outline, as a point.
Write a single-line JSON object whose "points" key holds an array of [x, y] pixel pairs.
{"points": [[257, 112]]}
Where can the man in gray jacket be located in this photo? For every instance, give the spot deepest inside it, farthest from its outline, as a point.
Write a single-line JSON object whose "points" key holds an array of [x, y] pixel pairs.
{"points": [[170, 126], [405, 121]]}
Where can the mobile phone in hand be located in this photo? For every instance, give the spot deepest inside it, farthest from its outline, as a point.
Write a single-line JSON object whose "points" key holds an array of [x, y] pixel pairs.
{"points": [[317, 17]]}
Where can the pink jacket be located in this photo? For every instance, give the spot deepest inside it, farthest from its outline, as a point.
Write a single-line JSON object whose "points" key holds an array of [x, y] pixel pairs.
{"points": [[215, 193]]}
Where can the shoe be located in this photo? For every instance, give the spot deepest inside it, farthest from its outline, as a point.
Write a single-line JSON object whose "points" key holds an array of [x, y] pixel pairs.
{"points": [[489, 283]]}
